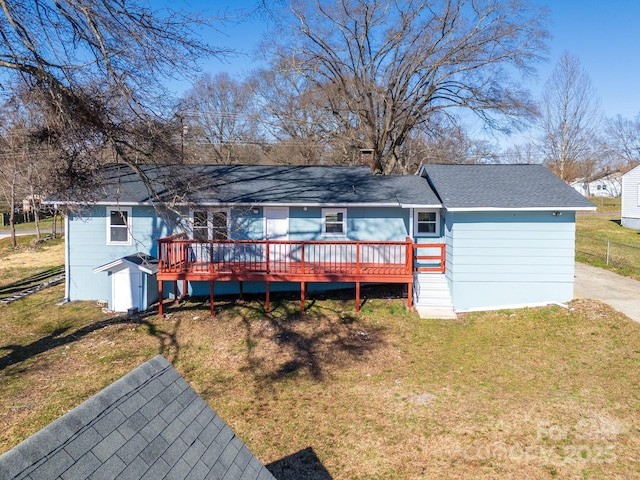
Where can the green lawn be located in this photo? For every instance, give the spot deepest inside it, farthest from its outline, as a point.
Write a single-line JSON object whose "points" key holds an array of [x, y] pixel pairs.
{"points": [[532, 393], [603, 242], [46, 225], [28, 260], [381, 394]]}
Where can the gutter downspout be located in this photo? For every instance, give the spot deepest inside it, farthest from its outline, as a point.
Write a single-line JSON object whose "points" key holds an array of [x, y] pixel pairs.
{"points": [[67, 247]]}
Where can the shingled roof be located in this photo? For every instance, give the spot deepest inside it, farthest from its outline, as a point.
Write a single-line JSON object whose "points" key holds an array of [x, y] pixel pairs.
{"points": [[150, 424], [502, 187], [255, 185]]}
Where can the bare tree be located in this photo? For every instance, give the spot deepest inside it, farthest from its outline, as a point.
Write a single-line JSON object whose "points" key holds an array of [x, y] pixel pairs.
{"points": [[623, 141], [13, 155], [9, 178], [99, 68], [291, 116], [449, 142], [25, 159], [570, 121], [384, 67], [219, 120], [527, 152]]}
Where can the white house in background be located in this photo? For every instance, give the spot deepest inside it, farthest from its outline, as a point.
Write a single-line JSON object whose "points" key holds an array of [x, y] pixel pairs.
{"points": [[631, 199], [604, 184]]}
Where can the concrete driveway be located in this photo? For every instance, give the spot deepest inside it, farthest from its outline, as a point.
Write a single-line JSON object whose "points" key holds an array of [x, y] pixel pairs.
{"points": [[621, 293]]}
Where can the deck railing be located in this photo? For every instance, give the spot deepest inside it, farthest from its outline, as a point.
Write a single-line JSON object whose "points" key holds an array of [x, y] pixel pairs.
{"points": [[181, 258], [179, 254], [429, 257]]}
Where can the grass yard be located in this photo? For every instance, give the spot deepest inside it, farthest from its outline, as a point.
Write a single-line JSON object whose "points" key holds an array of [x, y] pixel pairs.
{"points": [[623, 252], [16, 264], [380, 394], [607, 204]]}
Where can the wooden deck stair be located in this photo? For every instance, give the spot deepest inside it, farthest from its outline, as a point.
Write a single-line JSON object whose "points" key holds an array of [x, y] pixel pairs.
{"points": [[432, 296]]}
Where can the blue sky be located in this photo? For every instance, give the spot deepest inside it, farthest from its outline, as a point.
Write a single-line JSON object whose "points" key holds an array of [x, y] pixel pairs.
{"points": [[602, 35]]}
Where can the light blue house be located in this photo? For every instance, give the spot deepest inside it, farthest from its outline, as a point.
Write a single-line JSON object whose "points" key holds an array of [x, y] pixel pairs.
{"points": [[462, 237]]}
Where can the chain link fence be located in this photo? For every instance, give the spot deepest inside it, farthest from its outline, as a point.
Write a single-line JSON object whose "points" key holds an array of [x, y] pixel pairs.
{"points": [[598, 251]]}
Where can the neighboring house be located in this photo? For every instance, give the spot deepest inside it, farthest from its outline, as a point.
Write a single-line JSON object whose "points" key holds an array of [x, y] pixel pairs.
{"points": [[605, 184], [461, 237], [631, 199], [150, 424]]}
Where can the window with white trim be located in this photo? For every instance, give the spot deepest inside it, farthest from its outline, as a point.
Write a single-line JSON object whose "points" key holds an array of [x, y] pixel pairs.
{"points": [[334, 222], [427, 223], [118, 226], [210, 225]]}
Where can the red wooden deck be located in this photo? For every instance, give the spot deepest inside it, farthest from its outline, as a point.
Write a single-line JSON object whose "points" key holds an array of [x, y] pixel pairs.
{"points": [[181, 258]]}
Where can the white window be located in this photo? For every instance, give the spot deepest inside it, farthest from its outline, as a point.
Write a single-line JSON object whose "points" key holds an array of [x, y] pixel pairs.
{"points": [[118, 226], [427, 223], [334, 222], [210, 225]]}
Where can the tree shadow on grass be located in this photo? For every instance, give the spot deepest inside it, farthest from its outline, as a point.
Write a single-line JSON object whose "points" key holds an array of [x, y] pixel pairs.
{"points": [[303, 464], [169, 346], [284, 343]]}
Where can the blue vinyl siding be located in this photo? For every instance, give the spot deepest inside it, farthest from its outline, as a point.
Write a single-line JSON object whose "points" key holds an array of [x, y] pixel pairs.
{"points": [[387, 224], [244, 224], [499, 259], [87, 248]]}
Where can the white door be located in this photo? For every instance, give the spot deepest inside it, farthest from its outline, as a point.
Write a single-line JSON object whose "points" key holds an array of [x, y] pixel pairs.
{"points": [[276, 228], [276, 223], [127, 290]]}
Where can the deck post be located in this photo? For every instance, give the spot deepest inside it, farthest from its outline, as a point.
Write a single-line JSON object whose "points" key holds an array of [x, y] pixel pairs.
{"points": [[175, 292], [241, 290], [160, 311], [357, 296], [303, 287], [410, 266], [212, 312], [268, 247], [267, 308], [184, 288]]}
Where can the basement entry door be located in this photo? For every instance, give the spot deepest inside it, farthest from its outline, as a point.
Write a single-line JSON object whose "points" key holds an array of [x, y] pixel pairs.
{"points": [[126, 290]]}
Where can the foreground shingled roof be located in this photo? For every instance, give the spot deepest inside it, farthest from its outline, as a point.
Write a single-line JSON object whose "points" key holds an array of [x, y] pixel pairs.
{"points": [[150, 424]]}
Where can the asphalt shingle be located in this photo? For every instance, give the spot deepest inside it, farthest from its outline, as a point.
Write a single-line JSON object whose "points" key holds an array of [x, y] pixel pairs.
{"points": [[115, 434], [501, 187], [261, 184]]}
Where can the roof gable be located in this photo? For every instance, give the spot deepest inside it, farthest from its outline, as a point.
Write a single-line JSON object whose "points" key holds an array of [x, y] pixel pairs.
{"points": [[502, 187], [149, 424], [633, 171], [139, 261]]}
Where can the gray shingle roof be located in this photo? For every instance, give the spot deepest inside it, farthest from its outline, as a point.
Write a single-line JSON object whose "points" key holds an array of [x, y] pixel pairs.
{"points": [[263, 184], [502, 187], [150, 424], [144, 262]]}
